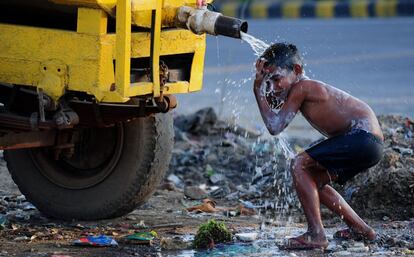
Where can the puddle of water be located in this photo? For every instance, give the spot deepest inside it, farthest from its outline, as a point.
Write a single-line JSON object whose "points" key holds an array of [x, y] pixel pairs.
{"points": [[266, 245]]}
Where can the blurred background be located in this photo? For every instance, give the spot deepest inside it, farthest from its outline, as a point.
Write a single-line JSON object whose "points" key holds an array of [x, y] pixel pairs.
{"points": [[365, 48]]}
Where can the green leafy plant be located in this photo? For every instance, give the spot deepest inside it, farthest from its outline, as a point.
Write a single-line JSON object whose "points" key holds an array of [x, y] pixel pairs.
{"points": [[211, 233]]}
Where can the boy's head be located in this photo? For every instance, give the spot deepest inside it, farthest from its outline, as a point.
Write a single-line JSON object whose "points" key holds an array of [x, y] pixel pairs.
{"points": [[282, 55], [282, 67]]}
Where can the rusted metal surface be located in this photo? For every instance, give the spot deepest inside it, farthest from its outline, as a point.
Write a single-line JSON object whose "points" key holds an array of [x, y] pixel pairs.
{"points": [[27, 140], [22, 123]]}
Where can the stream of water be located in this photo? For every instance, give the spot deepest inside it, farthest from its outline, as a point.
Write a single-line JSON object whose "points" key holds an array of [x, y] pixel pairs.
{"points": [[256, 44]]}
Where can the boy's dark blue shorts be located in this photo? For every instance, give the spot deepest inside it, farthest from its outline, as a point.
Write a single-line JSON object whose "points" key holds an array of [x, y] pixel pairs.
{"points": [[346, 155]]}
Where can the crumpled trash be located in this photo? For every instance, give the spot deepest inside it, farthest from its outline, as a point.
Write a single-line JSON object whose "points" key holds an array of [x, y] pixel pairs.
{"points": [[141, 237], [98, 241], [208, 206], [244, 211]]}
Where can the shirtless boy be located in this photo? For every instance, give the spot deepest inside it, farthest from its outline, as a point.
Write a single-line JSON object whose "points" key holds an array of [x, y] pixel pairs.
{"points": [[353, 144]]}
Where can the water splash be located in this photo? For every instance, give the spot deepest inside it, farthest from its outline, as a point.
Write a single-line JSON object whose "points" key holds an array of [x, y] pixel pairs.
{"points": [[257, 45]]}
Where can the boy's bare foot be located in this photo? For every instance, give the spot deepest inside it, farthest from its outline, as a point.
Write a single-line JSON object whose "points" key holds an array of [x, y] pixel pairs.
{"points": [[348, 234], [305, 242]]}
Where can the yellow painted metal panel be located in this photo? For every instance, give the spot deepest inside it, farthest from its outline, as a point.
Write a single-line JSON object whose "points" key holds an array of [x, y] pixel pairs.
{"points": [[92, 21], [359, 8], [325, 9], [181, 87], [196, 80], [123, 46], [77, 51], [156, 49], [259, 10], [291, 9], [386, 8], [141, 88]]}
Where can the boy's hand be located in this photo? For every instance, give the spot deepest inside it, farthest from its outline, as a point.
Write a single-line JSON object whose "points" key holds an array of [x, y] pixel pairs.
{"points": [[260, 72]]}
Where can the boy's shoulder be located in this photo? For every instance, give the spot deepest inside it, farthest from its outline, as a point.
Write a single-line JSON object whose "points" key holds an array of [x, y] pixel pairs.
{"points": [[310, 87]]}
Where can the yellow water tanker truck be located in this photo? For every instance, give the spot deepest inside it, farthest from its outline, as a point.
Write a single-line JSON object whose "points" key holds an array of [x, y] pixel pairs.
{"points": [[86, 87]]}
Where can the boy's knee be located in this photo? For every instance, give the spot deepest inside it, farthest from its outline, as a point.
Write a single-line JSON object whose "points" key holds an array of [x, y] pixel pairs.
{"points": [[297, 164]]}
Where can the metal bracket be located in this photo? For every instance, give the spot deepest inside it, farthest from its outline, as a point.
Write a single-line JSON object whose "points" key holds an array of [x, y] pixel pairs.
{"points": [[53, 79]]}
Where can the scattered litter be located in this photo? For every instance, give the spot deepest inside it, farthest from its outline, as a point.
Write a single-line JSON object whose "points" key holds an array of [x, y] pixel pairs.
{"points": [[141, 237], [208, 206], [98, 241]]}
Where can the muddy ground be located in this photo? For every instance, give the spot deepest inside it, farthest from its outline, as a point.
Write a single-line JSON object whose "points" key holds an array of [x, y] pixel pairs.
{"points": [[243, 174]]}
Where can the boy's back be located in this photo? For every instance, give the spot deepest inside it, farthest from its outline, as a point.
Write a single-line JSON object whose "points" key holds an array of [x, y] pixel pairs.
{"points": [[332, 111]]}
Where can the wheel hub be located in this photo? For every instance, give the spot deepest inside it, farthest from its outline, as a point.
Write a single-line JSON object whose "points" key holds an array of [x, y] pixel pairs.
{"points": [[94, 155]]}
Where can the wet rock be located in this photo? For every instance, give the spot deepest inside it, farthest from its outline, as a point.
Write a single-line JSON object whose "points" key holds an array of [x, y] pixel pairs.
{"points": [[358, 248], [175, 180], [200, 122], [221, 192], [342, 253], [247, 237], [195, 192], [387, 189], [215, 178]]}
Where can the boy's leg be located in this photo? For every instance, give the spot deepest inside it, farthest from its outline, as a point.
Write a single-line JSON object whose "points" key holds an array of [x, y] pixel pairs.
{"points": [[334, 201], [308, 177]]}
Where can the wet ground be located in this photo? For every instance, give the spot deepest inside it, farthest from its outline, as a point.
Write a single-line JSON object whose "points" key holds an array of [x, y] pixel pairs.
{"points": [[35, 235]]}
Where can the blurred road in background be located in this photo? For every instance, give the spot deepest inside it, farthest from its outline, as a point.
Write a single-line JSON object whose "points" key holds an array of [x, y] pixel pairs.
{"points": [[372, 59]]}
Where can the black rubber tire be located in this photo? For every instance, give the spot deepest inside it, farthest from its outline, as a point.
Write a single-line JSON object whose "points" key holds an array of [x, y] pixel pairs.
{"points": [[145, 156]]}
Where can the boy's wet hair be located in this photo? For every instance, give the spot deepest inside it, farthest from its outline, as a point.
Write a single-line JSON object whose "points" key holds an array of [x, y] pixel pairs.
{"points": [[282, 55]]}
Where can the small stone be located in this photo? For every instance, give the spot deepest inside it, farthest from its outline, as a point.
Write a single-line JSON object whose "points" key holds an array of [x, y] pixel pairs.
{"points": [[247, 237], [176, 180], [169, 186], [342, 253], [220, 192], [292, 255], [217, 178], [130, 217], [21, 238], [174, 243], [195, 193]]}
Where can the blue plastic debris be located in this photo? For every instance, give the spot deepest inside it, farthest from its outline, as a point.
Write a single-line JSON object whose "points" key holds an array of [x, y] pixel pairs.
{"points": [[99, 241]]}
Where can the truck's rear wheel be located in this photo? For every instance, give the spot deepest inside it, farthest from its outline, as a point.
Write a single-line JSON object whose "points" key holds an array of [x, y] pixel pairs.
{"points": [[112, 171]]}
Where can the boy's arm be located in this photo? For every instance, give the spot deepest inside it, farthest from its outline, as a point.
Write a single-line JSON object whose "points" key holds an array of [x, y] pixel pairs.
{"points": [[277, 122]]}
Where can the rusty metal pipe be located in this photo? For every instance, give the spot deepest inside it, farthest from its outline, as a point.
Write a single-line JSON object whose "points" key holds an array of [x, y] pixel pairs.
{"points": [[202, 21]]}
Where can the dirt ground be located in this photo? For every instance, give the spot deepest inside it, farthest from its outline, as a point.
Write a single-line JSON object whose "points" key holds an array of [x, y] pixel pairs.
{"points": [[212, 154]]}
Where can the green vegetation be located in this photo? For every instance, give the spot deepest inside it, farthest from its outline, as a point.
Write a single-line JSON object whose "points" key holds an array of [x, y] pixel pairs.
{"points": [[211, 233]]}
